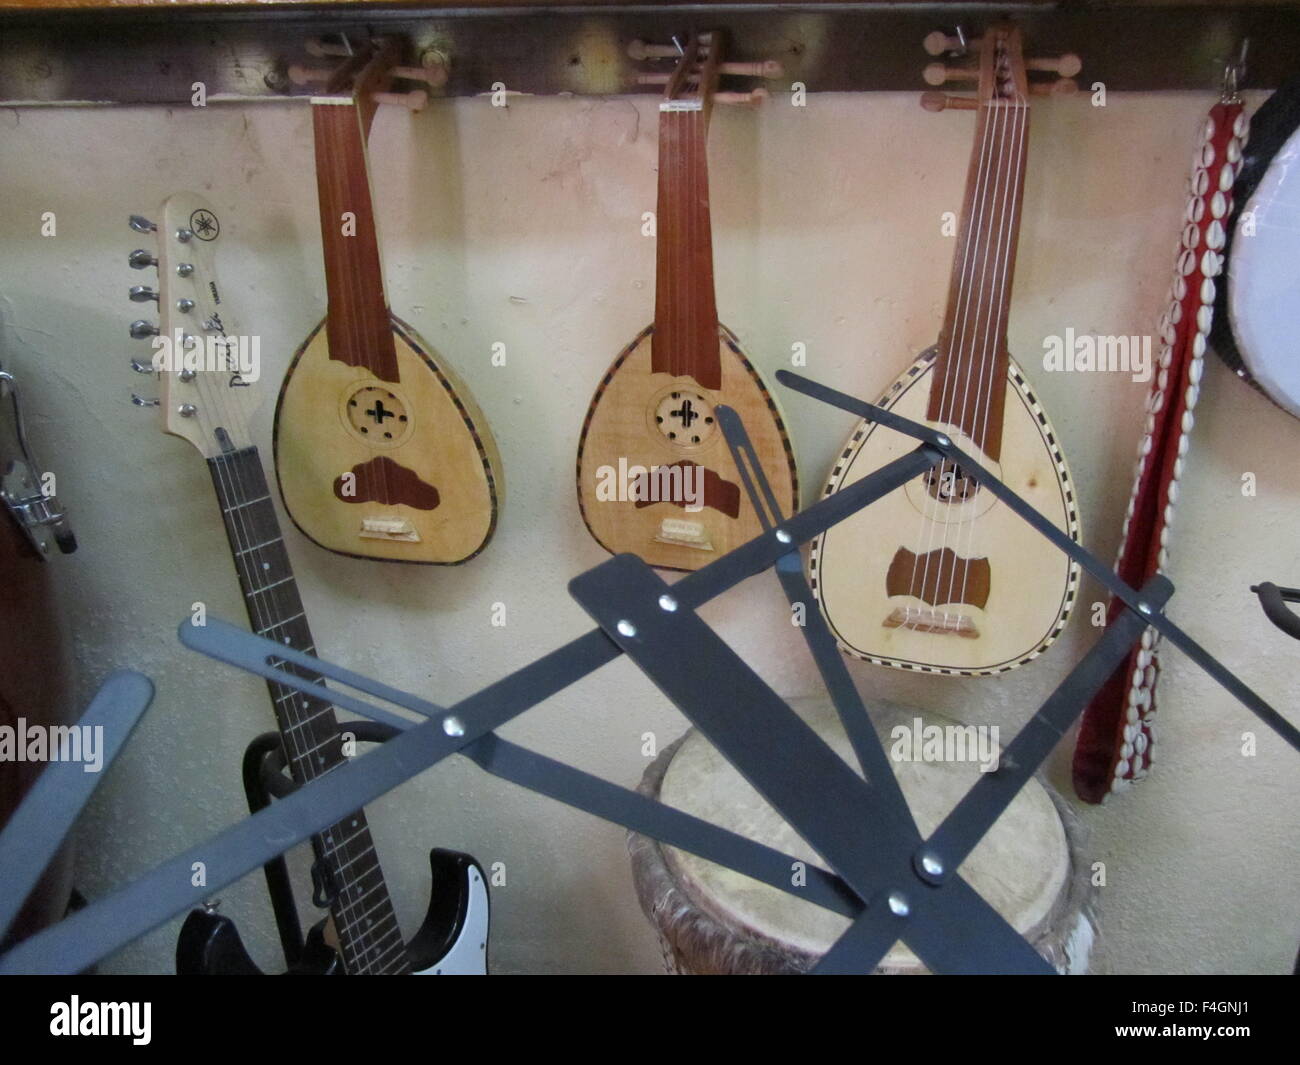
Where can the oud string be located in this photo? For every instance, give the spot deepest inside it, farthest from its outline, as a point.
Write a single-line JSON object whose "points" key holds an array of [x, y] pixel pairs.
{"points": [[994, 331], [930, 504]]}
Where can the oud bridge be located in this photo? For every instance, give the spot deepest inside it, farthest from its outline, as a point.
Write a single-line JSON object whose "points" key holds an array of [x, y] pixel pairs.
{"points": [[945, 585]]}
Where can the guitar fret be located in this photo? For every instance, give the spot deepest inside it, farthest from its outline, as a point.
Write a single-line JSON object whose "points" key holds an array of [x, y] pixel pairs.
{"points": [[258, 547], [246, 503]]}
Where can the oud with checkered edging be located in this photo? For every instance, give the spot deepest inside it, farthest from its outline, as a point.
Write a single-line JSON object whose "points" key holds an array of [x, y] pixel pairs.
{"points": [[940, 577]]}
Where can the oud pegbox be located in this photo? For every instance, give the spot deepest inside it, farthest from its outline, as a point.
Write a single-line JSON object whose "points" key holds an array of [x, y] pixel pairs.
{"points": [[641, 51], [963, 63], [376, 60]]}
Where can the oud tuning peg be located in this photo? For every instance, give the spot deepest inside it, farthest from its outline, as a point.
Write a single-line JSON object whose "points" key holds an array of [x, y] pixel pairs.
{"points": [[763, 68], [1060, 87], [939, 101], [142, 401], [304, 75], [752, 98], [142, 225], [641, 51], [141, 329], [141, 259], [939, 73], [142, 294], [1066, 66], [320, 48], [414, 100], [940, 43], [434, 69]]}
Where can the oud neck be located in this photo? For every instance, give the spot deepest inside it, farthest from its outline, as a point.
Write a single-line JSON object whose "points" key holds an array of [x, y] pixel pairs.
{"points": [[369, 937], [357, 321], [685, 341], [969, 389]]}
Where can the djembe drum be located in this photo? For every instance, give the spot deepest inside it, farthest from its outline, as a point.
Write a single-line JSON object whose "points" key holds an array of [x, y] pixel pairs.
{"points": [[713, 920]]}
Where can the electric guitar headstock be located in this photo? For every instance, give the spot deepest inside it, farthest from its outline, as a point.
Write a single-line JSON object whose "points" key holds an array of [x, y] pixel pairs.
{"points": [[997, 66], [205, 367]]}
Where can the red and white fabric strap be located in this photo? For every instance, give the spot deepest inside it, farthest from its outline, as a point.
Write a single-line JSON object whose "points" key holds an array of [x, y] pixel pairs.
{"points": [[1117, 736]]}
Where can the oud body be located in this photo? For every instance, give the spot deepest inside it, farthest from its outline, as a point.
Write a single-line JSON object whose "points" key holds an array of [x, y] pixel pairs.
{"points": [[634, 411], [939, 576], [993, 625], [424, 484], [655, 475]]}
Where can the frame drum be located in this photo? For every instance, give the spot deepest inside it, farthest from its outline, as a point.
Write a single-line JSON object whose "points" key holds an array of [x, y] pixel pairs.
{"points": [[713, 920], [1257, 315]]}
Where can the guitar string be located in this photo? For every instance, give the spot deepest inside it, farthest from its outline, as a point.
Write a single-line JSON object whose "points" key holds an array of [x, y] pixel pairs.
{"points": [[302, 734], [231, 480], [995, 329], [930, 504]]}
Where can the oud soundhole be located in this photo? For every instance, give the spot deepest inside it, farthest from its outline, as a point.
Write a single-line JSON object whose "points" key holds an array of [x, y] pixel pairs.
{"points": [[378, 414], [949, 483], [684, 417]]}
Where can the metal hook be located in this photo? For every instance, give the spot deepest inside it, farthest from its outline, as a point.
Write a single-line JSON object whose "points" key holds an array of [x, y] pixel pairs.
{"points": [[1234, 73]]}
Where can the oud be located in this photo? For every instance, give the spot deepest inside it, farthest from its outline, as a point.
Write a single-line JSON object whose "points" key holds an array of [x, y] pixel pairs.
{"points": [[209, 407], [656, 406], [939, 576], [380, 450]]}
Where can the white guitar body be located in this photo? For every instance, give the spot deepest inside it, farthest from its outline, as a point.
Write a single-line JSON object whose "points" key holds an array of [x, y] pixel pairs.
{"points": [[1031, 585], [467, 953]]}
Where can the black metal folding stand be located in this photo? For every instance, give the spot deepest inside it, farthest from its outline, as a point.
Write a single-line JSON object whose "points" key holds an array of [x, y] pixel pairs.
{"points": [[892, 882]]}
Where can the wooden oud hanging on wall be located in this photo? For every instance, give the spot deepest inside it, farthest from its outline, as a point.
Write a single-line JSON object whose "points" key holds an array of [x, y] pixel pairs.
{"points": [[380, 450], [654, 411]]}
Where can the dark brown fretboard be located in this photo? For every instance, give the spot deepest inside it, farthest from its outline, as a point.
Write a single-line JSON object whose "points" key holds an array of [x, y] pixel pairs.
{"points": [[685, 339], [969, 389], [357, 323], [369, 937]]}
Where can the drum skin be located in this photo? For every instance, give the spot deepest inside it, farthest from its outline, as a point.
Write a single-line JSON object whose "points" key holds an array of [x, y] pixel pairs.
{"points": [[1256, 314], [713, 920]]}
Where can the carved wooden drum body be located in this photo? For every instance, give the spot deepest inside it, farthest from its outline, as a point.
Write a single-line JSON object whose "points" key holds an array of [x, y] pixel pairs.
{"points": [[712, 920]]}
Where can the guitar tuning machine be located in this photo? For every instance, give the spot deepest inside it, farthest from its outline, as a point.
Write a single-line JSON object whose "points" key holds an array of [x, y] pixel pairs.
{"points": [[141, 367], [142, 330], [140, 259], [142, 225], [142, 294], [142, 401]]}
